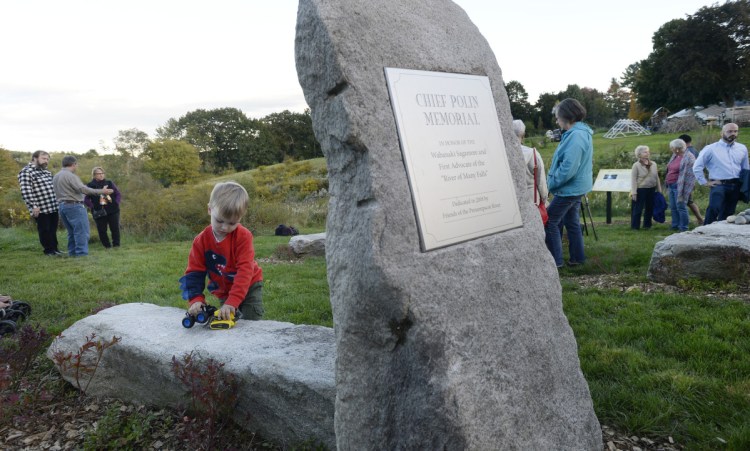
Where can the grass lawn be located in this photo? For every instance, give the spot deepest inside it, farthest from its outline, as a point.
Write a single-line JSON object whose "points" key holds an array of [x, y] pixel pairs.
{"points": [[660, 361]]}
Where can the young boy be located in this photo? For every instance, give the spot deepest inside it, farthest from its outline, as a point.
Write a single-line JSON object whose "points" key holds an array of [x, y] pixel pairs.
{"points": [[224, 253]]}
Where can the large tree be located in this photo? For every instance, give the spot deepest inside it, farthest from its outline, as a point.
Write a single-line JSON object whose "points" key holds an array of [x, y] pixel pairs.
{"points": [[544, 106], [172, 162], [520, 108], [131, 142], [225, 137], [292, 133], [598, 111], [130, 145], [699, 60], [617, 99]]}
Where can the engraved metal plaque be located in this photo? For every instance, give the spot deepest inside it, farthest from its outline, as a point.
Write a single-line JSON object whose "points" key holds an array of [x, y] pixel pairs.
{"points": [[454, 155]]}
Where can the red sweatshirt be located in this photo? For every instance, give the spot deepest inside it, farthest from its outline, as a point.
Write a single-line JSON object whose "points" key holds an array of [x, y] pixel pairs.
{"points": [[230, 266]]}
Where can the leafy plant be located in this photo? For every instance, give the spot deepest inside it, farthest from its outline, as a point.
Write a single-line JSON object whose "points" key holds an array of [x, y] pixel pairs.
{"points": [[212, 393], [18, 351], [17, 354], [118, 430], [82, 366]]}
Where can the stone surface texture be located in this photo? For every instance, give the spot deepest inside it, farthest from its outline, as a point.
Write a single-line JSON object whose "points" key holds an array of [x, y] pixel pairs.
{"points": [[314, 244], [285, 371], [718, 251], [464, 347]]}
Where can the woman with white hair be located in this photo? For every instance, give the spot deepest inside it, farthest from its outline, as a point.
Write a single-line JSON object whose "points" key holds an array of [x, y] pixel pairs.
{"points": [[531, 157], [680, 182], [644, 181]]}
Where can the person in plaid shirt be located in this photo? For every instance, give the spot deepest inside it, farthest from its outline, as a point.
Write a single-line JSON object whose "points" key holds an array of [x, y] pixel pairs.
{"points": [[36, 189]]}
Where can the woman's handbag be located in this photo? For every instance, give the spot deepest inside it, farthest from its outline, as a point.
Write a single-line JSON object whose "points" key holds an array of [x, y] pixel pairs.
{"points": [[99, 213], [540, 202]]}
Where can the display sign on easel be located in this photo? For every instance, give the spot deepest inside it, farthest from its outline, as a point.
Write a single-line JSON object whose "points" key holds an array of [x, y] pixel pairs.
{"points": [[613, 180]]}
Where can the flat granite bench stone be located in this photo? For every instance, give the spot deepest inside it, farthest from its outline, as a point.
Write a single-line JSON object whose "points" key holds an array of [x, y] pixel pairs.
{"points": [[285, 371]]}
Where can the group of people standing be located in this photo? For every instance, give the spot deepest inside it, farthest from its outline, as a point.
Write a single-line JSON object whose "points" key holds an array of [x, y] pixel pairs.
{"points": [[63, 196], [679, 179], [724, 160], [570, 177]]}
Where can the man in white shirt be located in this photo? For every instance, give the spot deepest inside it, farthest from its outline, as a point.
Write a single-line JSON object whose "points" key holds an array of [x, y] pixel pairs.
{"points": [[723, 159]]}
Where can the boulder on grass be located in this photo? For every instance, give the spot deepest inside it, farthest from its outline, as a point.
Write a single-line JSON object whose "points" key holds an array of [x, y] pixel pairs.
{"points": [[314, 244], [717, 252], [285, 371]]}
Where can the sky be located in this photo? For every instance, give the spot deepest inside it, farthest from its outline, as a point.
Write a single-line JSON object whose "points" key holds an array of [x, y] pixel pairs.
{"points": [[75, 72]]}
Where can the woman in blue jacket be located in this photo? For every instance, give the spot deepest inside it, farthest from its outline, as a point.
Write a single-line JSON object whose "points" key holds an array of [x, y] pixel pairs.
{"points": [[570, 176]]}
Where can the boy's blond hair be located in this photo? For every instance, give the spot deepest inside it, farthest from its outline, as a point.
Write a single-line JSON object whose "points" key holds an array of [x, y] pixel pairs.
{"points": [[229, 200]]}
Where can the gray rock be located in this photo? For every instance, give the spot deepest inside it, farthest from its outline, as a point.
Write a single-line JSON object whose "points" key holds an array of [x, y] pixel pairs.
{"points": [[718, 251], [285, 371], [314, 244], [741, 219], [464, 347]]}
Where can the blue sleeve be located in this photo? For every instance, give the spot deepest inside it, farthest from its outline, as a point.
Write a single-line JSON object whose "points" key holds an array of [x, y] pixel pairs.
{"points": [[700, 163], [192, 285]]}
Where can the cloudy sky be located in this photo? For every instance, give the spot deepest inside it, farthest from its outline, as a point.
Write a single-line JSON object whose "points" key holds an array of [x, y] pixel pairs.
{"points": [[75, 72]]}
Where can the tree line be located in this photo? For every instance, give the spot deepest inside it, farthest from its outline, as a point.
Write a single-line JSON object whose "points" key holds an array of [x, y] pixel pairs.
{"points": [[603, 108], [700, 60], [217, 141]]}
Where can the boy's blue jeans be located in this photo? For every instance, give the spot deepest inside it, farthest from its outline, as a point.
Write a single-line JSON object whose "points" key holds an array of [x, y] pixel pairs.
{"points": [[564, 211]]}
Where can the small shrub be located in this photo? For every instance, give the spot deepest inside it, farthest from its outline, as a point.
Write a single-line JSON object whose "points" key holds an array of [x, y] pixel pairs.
{"points": [[80, 365], [18, 351], [303, 167], [117, 431], [212, 393], [18, 395], [310, 186]]}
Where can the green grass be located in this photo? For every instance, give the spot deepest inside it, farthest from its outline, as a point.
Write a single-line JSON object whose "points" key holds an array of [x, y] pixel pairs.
{"points": [[664, 365], [659, 363], [63, 290]]}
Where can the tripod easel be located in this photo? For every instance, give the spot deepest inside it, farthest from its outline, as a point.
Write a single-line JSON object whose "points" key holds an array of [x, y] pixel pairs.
{"points": [[586, 208]]}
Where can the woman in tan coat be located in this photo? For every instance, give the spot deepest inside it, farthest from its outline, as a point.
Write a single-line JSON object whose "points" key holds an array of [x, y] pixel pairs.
{"points": [[644, 182]]}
